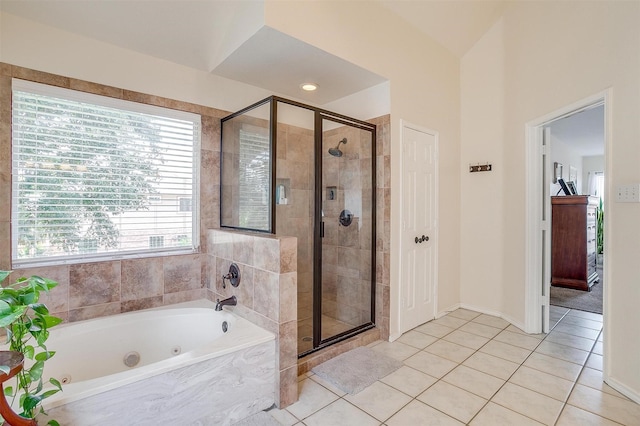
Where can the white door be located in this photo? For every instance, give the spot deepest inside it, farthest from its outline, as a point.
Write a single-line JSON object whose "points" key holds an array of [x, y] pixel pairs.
{"points": [[545, 226], [419, 227]]}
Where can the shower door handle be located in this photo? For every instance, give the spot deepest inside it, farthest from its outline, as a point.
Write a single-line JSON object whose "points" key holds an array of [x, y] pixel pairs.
{"points": [[321, 229]]}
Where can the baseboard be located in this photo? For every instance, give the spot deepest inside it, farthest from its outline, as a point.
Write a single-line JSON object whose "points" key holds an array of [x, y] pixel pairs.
{"points": [[626, 391], [512, 321]]}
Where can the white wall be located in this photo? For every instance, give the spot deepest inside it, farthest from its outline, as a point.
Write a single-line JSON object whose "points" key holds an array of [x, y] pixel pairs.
{"points": [[591, 164], [569, 156], [482, 193], [40, 47], [555, 54], [424, 90]]}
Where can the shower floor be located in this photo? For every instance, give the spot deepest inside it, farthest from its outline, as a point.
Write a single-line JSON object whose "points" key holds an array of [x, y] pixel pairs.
{"points": [[330, 327]]}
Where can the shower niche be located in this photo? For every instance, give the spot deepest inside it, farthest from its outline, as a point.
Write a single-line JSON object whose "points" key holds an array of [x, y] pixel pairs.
{"points": [[291, 169]]}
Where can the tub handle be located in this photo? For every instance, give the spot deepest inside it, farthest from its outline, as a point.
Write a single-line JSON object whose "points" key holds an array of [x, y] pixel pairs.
{"points": [[233, 276]]}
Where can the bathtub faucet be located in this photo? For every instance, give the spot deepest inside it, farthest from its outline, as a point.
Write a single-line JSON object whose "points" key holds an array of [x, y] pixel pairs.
{"points": [[232, 301]]}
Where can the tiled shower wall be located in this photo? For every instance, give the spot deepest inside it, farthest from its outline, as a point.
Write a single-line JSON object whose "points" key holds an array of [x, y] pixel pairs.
{"points": [[88, 290]]}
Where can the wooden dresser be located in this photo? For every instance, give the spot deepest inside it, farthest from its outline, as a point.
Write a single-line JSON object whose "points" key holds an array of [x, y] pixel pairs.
{"points": [[573, 241]]}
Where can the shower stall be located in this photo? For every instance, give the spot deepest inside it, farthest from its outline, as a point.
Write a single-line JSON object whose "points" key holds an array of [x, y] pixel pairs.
{"points": [[291, 169]]}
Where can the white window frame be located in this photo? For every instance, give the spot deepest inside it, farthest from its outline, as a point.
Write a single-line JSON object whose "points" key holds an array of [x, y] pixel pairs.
{"points": [[53, 91]]}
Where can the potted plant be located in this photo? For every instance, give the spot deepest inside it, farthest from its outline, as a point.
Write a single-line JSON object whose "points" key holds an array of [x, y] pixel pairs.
{"points": [[27, 323]]}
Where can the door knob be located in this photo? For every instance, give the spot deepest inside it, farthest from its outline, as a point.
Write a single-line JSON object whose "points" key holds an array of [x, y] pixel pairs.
{"points": [[425, 238], [418, 240]]}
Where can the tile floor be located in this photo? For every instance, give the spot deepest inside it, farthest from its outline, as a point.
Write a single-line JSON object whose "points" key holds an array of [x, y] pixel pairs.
{"points": [[471, 368]]}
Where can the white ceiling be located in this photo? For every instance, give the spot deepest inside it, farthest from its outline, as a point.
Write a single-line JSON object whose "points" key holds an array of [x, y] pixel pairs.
{"points": [[206, 35], [228, 38], [583, 131]]}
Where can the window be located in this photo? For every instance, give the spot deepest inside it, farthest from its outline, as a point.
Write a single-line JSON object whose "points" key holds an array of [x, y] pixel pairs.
{"points": [[98, 178], [184, 204], [254, 209], [156, 241]]}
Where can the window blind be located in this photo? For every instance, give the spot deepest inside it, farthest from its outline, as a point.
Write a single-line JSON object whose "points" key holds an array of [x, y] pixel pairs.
{"points": [[254, 180], [97, 177]]}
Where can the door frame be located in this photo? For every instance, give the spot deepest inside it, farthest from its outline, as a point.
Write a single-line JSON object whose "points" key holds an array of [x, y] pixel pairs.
{"points": [[537, 273], [405, 124]]}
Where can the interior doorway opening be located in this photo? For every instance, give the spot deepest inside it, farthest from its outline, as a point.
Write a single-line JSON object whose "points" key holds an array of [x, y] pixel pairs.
{"points": [[542, 174]]}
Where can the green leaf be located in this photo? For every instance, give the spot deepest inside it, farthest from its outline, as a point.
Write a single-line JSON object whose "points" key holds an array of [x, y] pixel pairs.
{"points": [[49, 393], [5, 308], [30, 402], [40, 308], [42, 337], [35, 372], [53, 423], [5, 320], [55, 383], [3, 275], [43, 356], [51, 321], [28, 351], [8, 391]]}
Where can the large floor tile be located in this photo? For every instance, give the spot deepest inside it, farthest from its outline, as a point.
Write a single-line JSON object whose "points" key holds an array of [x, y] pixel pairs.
{"points": [[541, 382], [593, 379], [517, 339], [480, 329], [512, 328], [506, 351], [379, 400], [563, 352], [419, 413], [529, 403], [492, 321], [450, 351], [576, 330], [397, 350], [311, 398], [409, 380], [430, 364], [340, 413], [450, 321], [494, 415], [605, 405], [474, 381], [594, 361], [564, 369], [463, 338], [572, 416], [434, 329], [283, 417], [583, 314], [582, 322], [498, 367], [416, 339], [464, 314], [570, 340], [453, 401]]}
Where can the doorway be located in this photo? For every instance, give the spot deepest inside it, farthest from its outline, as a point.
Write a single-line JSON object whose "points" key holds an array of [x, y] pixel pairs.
{"points": [[419, 237], [542, 179]]}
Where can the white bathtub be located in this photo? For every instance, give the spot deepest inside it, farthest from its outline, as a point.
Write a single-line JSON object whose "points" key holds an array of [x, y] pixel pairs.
{"points": [[190, 371]]}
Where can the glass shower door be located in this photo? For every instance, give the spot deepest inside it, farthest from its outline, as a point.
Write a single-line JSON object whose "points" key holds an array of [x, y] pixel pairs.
{"points": [[347, 229]]}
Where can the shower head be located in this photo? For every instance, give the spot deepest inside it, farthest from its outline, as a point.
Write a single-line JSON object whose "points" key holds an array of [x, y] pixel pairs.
{"points": [[336, 151]]}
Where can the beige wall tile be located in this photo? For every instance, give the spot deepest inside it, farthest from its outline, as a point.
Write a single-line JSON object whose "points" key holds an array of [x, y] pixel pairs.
{"points": [[142, 278], [94, 284]]}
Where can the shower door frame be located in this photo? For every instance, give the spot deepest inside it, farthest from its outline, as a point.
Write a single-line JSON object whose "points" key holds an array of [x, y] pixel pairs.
{"points": [[319, 116], [318, 342]]}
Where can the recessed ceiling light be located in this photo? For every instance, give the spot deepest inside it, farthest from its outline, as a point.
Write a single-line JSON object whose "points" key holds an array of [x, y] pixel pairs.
{"points": [[309, 87]]}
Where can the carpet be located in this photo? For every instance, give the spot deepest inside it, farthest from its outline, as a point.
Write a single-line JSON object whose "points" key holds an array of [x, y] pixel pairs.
{"points": [[590, 301], [353, 371]]}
